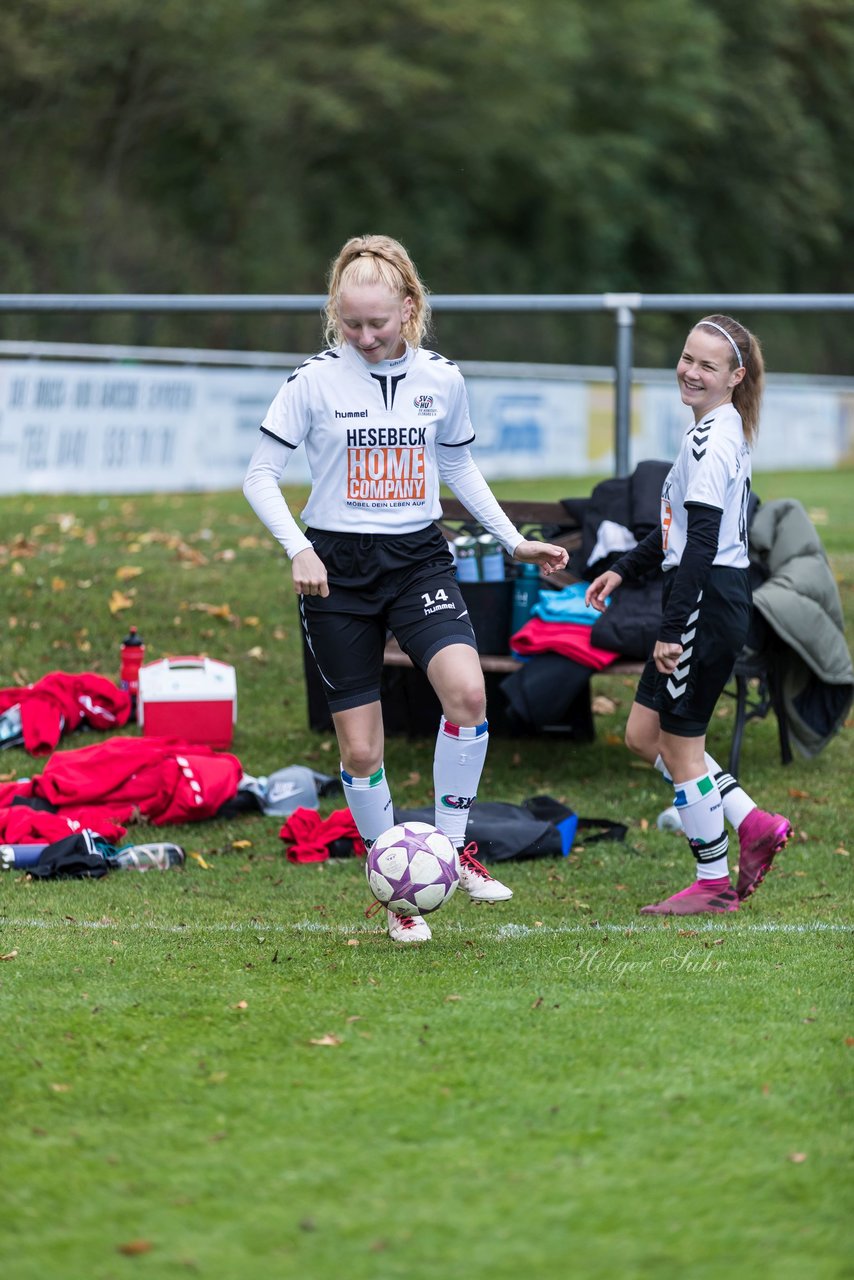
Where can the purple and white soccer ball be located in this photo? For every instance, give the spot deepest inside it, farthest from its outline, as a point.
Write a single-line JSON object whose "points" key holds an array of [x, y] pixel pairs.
{"points": [[412, 868]]}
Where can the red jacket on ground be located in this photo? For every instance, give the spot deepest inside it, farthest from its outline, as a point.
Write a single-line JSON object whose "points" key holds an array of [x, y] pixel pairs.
{"points": [[60, 702], [105, 786]]}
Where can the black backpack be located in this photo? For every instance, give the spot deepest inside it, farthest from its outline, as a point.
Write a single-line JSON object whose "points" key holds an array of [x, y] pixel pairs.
{"points": [[539, 827]]}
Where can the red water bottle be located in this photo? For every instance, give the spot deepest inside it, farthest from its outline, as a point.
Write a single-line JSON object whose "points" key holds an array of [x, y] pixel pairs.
{"points": [[133, 652]]}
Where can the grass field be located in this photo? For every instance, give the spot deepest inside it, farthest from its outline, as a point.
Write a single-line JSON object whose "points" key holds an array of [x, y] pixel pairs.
{"points": [[227, 1070]]}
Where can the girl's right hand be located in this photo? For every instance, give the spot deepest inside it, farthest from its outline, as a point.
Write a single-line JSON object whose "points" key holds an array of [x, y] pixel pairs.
{"points": [[309, 574], [600, 588]]}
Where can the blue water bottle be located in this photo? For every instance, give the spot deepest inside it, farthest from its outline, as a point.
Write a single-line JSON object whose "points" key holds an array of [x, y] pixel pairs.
{"points": [[526, 590]]}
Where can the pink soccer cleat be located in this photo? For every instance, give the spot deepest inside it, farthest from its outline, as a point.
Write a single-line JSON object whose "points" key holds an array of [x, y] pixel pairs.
{"points": [[703, 897], [760, 836]]}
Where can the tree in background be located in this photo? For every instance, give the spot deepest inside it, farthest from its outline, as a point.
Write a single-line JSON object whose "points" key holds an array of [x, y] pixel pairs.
{"points": [[651, 145]]}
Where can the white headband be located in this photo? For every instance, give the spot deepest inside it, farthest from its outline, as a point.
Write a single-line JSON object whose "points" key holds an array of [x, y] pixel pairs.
{"points": [[730, 339]]}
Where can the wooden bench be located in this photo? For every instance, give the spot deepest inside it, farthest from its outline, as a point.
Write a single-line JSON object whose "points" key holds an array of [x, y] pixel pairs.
{"points": [[505, 663]]}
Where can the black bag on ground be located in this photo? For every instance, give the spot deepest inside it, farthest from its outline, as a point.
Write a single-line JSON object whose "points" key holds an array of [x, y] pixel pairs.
{"points": [[540, 827]]}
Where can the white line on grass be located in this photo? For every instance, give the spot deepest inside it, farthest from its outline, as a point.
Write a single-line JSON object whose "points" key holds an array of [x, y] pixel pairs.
{"points": [[501, 932]]}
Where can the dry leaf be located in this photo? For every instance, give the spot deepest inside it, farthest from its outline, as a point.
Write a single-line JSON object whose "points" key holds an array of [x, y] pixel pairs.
{"points": [[10, 955], [241, 844], [330, 1040], [61, 1088], [798, 795], [131, 1248], [352, 942], [450, 999], [127, 571], [119, 601], [57, 584], [197, 857], [241, 1004], [602, 706], [797, 1157]]}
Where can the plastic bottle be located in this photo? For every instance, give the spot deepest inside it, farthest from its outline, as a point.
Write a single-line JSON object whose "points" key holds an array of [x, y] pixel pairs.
{"points": [[147, 857], [133, 652], [467, 558], [491, 559], [19, 855], [525, 594]]}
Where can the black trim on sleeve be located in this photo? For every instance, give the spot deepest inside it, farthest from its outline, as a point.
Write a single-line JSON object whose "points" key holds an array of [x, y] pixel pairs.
{"points": [[278, 439], [701, 547], [460, 444]]}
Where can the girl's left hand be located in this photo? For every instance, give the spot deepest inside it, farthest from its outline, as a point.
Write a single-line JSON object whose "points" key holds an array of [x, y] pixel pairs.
{"points": [[666, 656], [549, 557]]}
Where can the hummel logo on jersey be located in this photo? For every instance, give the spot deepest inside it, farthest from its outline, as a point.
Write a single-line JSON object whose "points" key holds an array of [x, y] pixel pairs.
{"points": [[351, 413], [701, 439]]}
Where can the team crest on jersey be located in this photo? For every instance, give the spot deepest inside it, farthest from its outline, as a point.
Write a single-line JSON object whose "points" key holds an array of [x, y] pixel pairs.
{"points": [[424, 405]]}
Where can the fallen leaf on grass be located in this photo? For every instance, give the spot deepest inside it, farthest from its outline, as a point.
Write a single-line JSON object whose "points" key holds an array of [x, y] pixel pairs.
{"points": [[61, 1088], [537, 1002], [842, 851], [214, 610], [10, 955], [241, 844], [197, 857], [797, 1157], [451, 999], [602, 706], [119, 601], [125, 572], [352, 942], [327, 1040], [131, 1248], [796, 794], [241, 1004]]}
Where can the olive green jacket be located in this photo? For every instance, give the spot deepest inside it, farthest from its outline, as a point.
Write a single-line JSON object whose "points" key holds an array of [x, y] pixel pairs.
{"points": [[800, 602]]}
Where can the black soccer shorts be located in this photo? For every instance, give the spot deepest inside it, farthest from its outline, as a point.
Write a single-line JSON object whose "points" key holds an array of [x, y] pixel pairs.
{"points": [[403, 583], [685, 700]]}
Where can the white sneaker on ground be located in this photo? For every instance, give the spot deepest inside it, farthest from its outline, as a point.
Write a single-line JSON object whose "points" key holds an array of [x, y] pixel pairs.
{"points": [[669, 820], [476, 880], [407, 928]]}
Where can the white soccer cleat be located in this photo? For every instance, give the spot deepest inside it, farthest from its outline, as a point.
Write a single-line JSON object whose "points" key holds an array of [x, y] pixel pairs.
{"points": [[476, 880], [407, 928]]}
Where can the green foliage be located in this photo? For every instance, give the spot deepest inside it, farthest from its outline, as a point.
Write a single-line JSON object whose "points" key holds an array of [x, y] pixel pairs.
{"points": [[674, 146]]}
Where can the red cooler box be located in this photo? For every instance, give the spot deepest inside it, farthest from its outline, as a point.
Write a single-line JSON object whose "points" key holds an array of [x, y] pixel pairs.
{"points": [[190, 698]]}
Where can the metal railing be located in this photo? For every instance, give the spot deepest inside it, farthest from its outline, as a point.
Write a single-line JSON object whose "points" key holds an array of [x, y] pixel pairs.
{"points": [[624, 307]]}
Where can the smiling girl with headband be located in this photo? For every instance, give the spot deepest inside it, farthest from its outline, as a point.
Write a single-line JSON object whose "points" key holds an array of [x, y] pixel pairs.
{"points": [[707, 605]]}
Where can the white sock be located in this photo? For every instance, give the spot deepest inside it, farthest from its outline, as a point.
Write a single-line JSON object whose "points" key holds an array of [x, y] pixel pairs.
{"points": [[369, 801], [737, 803], [457, 765], [701, 810]]}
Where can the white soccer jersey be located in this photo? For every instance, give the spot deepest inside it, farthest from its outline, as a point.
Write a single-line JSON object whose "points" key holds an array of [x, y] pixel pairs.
{"points": [[713, 469], [379, 438], [371, 435]]}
